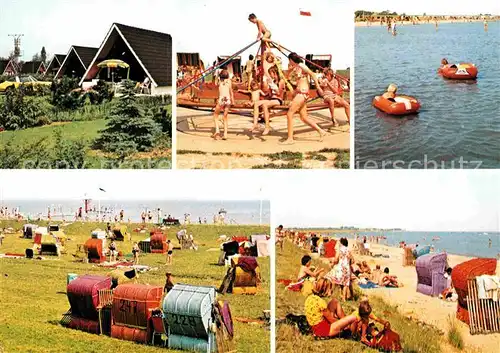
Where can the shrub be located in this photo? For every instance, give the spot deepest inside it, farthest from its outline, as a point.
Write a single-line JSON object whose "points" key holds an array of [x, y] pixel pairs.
{"points": [[130, 128], [19, 112], [66, 94], [101, 92], [454, 335], [68, 154], [31, 155]]}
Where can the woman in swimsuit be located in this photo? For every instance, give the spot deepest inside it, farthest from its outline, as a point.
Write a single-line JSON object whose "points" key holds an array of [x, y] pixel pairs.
{"points": [[275, 88], [331, 90], [299, 102], [226, 99]]}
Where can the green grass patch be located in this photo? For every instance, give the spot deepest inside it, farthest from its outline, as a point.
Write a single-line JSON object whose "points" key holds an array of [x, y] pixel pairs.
{"points": [[414, 337], [34, 298], [284, 156], [316, 157], [293, 165], [454, 336]]}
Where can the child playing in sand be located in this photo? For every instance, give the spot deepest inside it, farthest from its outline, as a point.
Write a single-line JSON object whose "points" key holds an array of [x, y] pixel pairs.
{"points": [[264, 34], [226, 99], [391, 92], [306, 271]]}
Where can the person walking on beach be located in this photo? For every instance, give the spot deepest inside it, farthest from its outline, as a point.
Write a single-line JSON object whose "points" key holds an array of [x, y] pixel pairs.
{"points": [[135, 252], [170, 250]]}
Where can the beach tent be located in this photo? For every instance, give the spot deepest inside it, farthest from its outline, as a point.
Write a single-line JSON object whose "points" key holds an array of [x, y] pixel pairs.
{"points": [[29, 230], [430, 274], [120, 232], [49, 245], [95, 249]]}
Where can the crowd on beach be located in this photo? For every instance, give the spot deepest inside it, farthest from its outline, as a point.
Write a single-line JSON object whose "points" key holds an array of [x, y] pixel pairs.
{"points": [[382, 19], [267, 84], [342, 268]]}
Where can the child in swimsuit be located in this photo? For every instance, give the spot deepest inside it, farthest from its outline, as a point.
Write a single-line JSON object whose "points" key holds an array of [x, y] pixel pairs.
{"points": [[255, 93], [264, 33], [226, 98], [362, 327], [391, 92], [331, 91]]}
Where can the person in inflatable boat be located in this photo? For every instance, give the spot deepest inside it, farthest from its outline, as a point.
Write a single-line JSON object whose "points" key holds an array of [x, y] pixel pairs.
{"points": [[444, 62], [391, 92]]}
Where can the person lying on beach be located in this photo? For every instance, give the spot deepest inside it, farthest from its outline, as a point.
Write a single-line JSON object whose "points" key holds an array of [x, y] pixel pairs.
{"points": [[264, 34], [361, 327], [388, 280], [391, 92], [331, 95], [326, 320], [306, 271], [226, 99]]}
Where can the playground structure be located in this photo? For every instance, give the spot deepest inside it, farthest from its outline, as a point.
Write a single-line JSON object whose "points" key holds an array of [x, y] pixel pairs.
{"points": [[204, 94]]}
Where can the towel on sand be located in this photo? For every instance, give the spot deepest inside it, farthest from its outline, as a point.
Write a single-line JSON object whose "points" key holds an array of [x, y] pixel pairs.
{"points": [[368, 285]]}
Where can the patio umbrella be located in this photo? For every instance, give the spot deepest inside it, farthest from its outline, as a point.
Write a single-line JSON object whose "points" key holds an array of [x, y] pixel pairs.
{"points": [[113, 64]]}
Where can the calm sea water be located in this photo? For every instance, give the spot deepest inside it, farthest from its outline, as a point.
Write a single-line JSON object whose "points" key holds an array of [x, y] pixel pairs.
{"points": [[457, 119], [460, 243], [238, 212]]}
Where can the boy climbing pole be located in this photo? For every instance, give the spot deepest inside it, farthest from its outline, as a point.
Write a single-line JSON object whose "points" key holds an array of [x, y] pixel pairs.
{"points": [[264, 34]]}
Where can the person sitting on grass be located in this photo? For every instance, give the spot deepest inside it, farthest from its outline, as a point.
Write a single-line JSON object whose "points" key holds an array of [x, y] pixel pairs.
{"points": [[388, 280], [391, 92], [361, 327], [326, 320], [306, 271]]}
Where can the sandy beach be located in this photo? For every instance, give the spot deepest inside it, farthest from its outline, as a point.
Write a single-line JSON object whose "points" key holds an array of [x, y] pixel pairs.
{"points": [[410, 303], [410, 23]]}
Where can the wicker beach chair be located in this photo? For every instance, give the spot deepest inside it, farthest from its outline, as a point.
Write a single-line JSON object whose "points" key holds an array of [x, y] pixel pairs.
{"points": [[408, 257], [430, 274], [460, 277], [484, 314]]}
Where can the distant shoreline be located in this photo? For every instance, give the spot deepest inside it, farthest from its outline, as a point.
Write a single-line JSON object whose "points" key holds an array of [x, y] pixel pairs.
{"points": [[410, 23]]}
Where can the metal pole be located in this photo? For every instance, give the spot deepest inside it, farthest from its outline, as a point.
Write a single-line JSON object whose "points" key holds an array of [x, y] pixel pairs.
{"points": [[215, 67]]}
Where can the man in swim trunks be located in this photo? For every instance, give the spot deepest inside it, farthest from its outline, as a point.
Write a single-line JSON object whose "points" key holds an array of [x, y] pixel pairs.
{"points": [[331, 95], [264, 33], [170, 250]]}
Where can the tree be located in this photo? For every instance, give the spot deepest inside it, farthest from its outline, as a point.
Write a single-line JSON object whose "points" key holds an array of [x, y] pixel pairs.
{"points": [[130, 127], [36, 57], [43, 55]]}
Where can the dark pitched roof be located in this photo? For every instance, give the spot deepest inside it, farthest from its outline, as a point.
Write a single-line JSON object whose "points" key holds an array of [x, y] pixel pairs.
{"points": [[154, 50], [3, 65], [60, 58], [86, 54], [31, 67]]}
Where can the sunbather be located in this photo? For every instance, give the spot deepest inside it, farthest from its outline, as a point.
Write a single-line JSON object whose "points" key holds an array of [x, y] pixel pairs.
{"points": [[361, 327], [388, 280], [326, 320], [306, 271]]}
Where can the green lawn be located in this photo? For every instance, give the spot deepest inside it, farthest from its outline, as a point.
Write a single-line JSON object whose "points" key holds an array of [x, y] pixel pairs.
{"points": [[78, 130], [33, 292], [414, 337]]}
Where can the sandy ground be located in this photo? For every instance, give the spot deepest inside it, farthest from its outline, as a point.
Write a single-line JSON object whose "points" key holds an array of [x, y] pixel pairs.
{"points": [[195, 127], [422, 307], [409, 23]]}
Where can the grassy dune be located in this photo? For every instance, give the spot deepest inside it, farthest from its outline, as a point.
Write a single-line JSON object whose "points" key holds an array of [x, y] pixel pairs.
{"points": [[33, 292], [414, 336]]}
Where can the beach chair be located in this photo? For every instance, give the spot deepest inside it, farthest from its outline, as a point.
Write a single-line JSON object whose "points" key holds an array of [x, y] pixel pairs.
{"points": [[430, 274], [104, 310], [158, 327], [408, 257], [460, 276], [484, 314]]}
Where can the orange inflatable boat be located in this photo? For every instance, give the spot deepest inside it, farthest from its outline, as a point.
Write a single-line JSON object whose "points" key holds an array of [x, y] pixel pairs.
{"points": [[464, 71], [403, 105]]}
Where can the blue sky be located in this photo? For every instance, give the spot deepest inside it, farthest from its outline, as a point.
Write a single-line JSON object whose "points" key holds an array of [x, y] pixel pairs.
{"points": [[210, 27]]}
